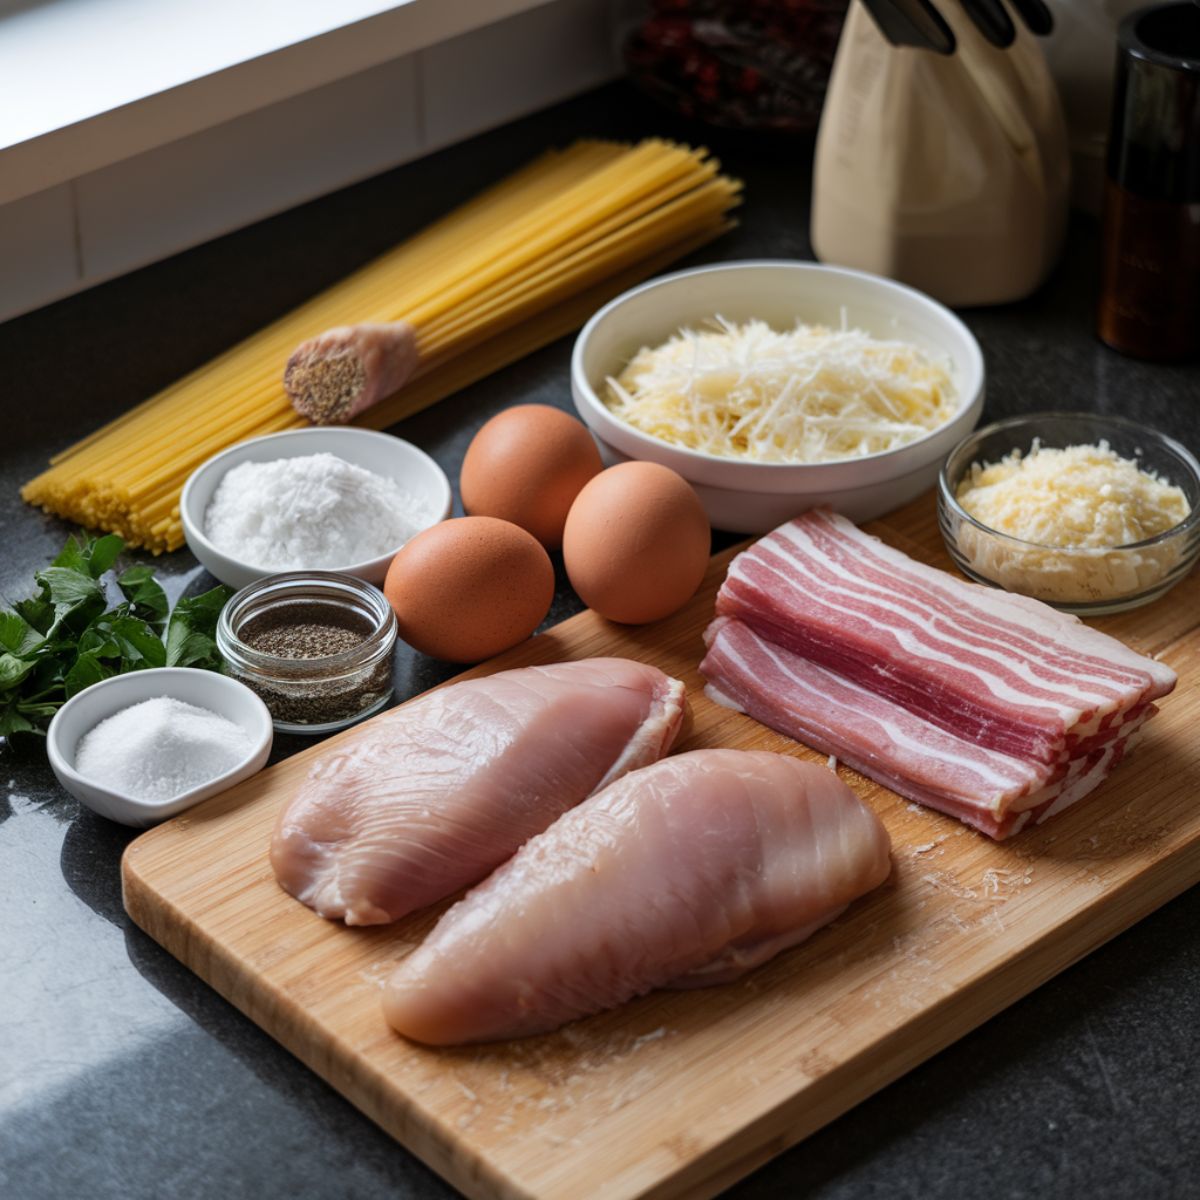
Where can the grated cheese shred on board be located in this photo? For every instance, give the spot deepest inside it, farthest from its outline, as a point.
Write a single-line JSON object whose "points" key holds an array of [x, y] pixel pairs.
{"points": [[1078, 513], [809, 395]]}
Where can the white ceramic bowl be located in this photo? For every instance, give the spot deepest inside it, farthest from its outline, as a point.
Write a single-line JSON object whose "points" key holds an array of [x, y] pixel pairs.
{"points": [[206, 689], [750, 497], [392, 457]]}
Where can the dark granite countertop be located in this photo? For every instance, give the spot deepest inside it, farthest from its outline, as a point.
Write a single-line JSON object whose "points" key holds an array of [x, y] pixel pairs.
{"points": [[123, 1075]]}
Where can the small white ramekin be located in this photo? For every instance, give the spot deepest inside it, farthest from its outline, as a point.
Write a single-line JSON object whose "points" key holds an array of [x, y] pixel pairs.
{"points": [[391, 457], [205, 689]]}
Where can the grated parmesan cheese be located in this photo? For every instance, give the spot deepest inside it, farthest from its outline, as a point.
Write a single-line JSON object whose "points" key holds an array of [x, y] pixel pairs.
{"points": [[1080, 496], [806, 396], [1081, 510]]}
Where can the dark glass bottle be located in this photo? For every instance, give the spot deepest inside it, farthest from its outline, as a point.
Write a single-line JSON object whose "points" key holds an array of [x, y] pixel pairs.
{"points": [[1150, 280]]}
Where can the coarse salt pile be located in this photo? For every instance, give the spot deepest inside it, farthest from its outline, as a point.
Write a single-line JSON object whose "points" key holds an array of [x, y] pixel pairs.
{"points": [[161, 748], [309, 513]]}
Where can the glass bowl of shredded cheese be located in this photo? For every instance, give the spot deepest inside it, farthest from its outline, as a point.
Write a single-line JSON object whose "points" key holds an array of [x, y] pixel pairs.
{"points": [[773, 387], [1092, 514]]}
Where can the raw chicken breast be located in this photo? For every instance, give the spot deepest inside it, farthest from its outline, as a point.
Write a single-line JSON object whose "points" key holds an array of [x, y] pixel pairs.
{"points": [[686, 873], [435, 794]]}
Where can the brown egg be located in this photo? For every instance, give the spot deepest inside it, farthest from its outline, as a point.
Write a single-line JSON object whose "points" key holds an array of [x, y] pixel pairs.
{"points": [[527, 465], [636, 543], [470, 588]]}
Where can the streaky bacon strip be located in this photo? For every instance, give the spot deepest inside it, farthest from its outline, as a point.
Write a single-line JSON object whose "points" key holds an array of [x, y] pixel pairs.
{"points": [[994, 792], [1002, 670], [805, 700], [1133, 718]]}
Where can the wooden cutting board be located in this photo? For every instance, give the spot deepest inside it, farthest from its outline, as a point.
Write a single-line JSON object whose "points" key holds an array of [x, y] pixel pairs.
{"points": [[681, 1093]]}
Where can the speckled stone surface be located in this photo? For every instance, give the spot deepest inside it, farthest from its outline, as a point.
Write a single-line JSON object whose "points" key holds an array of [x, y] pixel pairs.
{"points": [[122, 1075]]}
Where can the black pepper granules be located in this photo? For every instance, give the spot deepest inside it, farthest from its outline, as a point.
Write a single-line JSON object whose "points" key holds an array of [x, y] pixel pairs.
{"points": [[315, 646], [305, 631]]}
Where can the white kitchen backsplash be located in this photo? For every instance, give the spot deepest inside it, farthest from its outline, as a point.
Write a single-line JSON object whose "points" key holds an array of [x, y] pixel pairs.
{"points": [[147, 207]]}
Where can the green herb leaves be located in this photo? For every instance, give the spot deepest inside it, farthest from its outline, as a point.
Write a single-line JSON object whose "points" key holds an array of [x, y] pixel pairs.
{"points": [[191, 634], [65, 638], [91, 557], [146, 599]]}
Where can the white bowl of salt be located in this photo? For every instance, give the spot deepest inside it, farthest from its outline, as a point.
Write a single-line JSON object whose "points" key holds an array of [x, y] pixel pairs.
{"points": [[141, 747], [330, 499]]}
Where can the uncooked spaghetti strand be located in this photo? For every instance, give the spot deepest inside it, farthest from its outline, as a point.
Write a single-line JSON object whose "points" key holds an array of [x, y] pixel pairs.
{"points": [[586, 267], [534, 236], [612, 225]]}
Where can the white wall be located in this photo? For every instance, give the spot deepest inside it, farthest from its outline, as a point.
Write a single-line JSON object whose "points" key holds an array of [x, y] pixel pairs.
{"points": [[122, 216]]}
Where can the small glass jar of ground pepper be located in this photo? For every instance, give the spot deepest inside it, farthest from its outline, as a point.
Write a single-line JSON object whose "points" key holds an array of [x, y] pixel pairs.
{"points": [[315, 645]]}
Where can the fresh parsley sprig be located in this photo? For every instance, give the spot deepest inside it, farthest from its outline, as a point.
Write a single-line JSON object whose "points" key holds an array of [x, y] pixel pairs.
{"points": [[65, 637]]}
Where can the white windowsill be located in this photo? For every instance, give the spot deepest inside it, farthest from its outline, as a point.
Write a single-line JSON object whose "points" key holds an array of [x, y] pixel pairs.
{"points": [[87, 83], [89, 192]]}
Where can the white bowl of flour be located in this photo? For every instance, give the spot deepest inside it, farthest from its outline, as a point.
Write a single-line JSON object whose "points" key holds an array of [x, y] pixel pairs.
{"points": [[338, 499]]}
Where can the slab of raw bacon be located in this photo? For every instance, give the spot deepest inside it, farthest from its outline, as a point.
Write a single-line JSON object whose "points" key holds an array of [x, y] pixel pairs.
{"points": [[996, 793], [1005, 672]]}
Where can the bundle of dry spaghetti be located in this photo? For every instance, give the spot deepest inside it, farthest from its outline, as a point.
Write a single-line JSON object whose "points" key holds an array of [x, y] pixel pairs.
{"points": [[519, 266]]}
